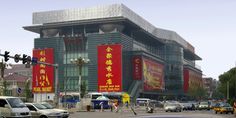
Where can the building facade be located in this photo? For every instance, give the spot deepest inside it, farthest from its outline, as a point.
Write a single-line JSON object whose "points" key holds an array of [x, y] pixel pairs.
{"points": [[152, 60]]}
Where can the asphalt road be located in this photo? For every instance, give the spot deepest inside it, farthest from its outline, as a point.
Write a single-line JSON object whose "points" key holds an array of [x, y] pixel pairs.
{"points": [[127, 113]]}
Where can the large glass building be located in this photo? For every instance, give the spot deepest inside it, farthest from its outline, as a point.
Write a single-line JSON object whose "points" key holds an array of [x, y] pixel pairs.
{"points": [[126, 52]]}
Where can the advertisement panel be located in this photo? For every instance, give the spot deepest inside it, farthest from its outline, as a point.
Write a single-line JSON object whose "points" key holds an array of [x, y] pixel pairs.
{"points": [[153, 74], [109, 68], [137, 67], [43, 76], [192, 80], [186, 80]]}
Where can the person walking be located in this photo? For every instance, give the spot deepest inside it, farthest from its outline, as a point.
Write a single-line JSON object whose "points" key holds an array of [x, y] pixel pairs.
{"points": [[234, 108], [101, 105]]}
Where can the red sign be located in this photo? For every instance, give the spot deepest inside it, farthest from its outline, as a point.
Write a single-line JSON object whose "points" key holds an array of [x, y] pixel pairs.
{"points": [[109, 68], [153, 74], [137, 68], [192, 80], [186, 80], [43, 76]]}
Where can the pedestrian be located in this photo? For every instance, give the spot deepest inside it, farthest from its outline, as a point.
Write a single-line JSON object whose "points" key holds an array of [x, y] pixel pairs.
{"points": [[111, 105], [234, 107], [115, 104], [127, 104], [101, 105]]}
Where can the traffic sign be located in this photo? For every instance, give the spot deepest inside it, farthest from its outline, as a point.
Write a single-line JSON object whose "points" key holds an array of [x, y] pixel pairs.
{"points": [[19, 90]]}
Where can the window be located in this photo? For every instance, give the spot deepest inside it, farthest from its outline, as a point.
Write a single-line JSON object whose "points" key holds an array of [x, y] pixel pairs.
{"points": [[3, 102]]}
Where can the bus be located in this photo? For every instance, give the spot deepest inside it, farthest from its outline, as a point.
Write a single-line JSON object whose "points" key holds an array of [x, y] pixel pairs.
{"points": [[92, 95], [70, 99]]}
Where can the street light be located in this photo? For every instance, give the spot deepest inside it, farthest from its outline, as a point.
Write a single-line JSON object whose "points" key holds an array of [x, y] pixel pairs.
{"points": [[80, 62]]}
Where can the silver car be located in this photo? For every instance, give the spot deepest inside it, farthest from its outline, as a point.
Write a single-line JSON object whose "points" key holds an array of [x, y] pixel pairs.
{"points": [[173, 107], [65, 113], [39, 111]]}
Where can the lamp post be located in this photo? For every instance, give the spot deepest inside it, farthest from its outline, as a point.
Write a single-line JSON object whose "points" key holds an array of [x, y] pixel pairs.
{"points": [[80, 62]]}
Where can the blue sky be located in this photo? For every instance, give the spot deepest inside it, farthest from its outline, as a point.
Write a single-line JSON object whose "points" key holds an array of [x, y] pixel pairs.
{"points": [[209, 25]]}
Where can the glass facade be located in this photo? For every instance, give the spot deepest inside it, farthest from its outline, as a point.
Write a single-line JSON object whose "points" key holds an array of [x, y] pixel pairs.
{"points": [[74, 37]]}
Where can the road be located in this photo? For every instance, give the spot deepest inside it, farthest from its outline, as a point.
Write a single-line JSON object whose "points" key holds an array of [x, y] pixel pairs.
{"points": [[142, 114]]}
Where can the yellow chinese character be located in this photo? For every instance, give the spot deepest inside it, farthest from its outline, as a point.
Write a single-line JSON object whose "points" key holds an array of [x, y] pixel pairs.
{"points": [[108, 55], [42, 66], [109, 75], [109, 49], [109, 82], [109, 62], [42, 52], [109, 68], [42, 59], [42, 71]]}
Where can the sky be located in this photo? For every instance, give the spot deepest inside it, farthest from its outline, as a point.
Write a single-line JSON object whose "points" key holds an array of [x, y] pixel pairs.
{"points": [[209, 25]]}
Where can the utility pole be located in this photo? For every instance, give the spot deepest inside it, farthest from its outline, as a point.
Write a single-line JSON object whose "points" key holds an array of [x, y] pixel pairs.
{"points": [[2, 67], [227, 90]]}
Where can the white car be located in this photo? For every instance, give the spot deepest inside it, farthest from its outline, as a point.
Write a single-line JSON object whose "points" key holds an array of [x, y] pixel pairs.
{"points": [[13, 107], [65, 113], [204, 106], [39, 111], [173, 107]]}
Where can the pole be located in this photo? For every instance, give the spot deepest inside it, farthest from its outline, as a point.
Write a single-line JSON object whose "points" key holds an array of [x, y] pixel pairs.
{"points": [[80, 75], [56, 86], [227, 90]]}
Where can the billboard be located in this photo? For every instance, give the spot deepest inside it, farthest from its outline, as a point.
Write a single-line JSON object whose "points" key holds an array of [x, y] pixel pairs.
{"points": [[109, 68], [192, 80], [43, 76], [153, 74], [137, 68]]}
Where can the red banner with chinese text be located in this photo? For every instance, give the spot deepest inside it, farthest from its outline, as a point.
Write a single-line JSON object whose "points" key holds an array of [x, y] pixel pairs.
{"points": [[43, 75], [110, 68], [137, 68]]}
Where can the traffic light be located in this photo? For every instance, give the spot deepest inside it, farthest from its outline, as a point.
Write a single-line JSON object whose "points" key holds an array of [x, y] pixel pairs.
{"points": [[28, 60], [34, 60], [17, 58], [24, 59], [6, 56]]}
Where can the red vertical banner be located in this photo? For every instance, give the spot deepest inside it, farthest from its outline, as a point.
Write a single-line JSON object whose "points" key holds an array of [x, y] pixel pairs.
{"points": [[43, 75], [110, 68], [186, 80], [137, 67]]}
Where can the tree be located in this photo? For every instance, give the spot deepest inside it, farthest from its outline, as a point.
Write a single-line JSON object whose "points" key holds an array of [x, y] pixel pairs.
{"points": [[197, 92], [230, 77], [5, 87], [27, 90]]}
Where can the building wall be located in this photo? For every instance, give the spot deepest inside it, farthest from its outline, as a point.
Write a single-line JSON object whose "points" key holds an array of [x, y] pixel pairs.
{"points": [[109, 38], [174, 67]]}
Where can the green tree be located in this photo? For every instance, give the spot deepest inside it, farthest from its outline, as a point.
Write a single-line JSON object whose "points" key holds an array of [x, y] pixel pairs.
{"points": [[5, 87], [230, 77], [197, 92], [27, 91]]}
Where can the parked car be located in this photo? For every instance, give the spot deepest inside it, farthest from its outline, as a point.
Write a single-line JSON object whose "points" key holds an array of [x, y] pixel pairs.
{"points": [[172, 107], [223, 108], [203, 106], [13, 107], [65, 113], [39, 111]]}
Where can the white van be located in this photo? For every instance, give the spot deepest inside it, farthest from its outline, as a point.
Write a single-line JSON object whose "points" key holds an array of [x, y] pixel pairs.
{"points": [[13, 107]]}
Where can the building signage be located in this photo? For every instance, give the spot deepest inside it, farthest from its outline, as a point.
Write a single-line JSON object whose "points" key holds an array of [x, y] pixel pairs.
{"points": [[153, 74], [109, 68], [137, 68], [43, 76], [192, 80]]}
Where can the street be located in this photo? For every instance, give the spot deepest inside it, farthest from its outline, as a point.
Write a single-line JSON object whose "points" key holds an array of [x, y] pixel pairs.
{"points": [[142, 114]]}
